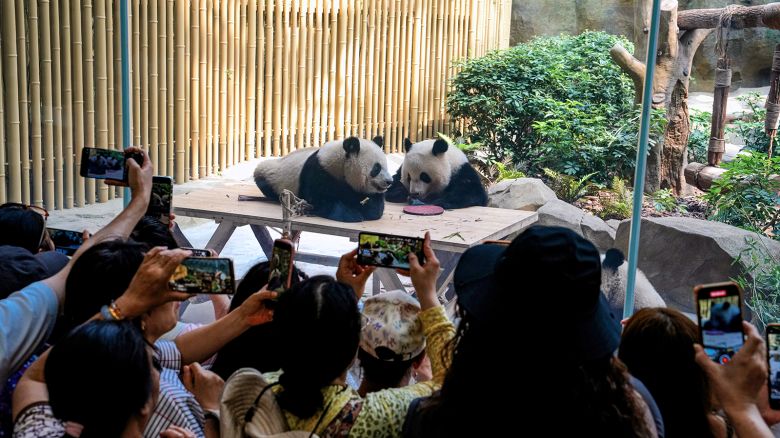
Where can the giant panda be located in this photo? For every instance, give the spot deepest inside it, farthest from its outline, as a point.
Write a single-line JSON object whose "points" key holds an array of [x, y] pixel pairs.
{"points": [[344, 180], [614, 273], [436, 173]]}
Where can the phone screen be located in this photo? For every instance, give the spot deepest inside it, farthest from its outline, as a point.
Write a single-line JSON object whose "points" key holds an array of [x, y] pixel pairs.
{"points": [[160, 201], [388, 251], [773, 358], [66, 241], [720, 321], [280, 265], [202, 275], [103, 164]]}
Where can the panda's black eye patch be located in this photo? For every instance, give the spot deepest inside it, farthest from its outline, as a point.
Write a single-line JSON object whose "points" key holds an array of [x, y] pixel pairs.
{"points": [[425, 178], [375, 170]]}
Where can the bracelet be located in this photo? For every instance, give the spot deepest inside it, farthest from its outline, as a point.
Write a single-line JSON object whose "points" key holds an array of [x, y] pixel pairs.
{"points": [[115, 312], [106, 313]]}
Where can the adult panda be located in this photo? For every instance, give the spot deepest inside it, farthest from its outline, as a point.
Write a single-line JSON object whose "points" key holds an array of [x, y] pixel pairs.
{"points": [[436, 173], [344, 180], [614, 273]]}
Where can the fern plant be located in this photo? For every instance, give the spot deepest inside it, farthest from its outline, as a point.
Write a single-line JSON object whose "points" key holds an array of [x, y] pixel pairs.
{"points": [[616, 202], [569, 188]]}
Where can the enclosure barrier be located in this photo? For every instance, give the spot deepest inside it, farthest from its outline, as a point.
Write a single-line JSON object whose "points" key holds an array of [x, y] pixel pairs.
{"points": [[218, 82]]}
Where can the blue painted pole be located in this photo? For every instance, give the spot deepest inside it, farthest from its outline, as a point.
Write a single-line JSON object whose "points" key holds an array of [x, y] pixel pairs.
{"points": [[124, 12], [641, 159]]}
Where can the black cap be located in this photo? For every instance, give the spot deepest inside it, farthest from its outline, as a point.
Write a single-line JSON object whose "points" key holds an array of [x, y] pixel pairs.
{"points": [[21, 268], [551, 269]]}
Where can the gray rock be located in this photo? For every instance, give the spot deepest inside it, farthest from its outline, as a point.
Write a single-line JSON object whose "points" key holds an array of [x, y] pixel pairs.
{"points": [[520, 194], [614, 223], [563, 214], [678, 253]]}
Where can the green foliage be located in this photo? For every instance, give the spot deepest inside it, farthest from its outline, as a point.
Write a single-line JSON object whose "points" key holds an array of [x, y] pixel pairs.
{"points": [[491, 170], [557, 102], [760, 281], [505, 171], [664, 200], [751, 127], [746, 195], [699, 137], [568, 188], [617, 202]]}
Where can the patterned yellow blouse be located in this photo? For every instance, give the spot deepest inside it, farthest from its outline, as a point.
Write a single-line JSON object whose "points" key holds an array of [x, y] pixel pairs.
{"points": [[383, 412]]}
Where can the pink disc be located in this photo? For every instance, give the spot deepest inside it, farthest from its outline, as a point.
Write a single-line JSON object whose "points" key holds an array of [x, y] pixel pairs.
{"points": [[423, 210]]}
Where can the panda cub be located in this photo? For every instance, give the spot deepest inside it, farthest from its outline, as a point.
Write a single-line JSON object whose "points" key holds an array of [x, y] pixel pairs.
{"points": [[344, 180], [435, 173], [614, 273]]}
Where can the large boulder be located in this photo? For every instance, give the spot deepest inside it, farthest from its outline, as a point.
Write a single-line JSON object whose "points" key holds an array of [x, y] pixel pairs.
{"points": [[520, 194], [563, 214], [678, 253]]}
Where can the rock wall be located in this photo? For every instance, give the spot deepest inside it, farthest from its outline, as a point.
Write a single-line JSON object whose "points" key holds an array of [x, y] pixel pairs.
{"points": [[750, 49]]}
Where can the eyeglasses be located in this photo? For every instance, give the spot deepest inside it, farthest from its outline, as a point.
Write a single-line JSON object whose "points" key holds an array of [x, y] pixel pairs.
{"points": [[40, 210]]}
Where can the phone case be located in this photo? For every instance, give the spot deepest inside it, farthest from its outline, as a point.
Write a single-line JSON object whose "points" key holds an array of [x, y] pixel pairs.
{"points": [[276, 272]]}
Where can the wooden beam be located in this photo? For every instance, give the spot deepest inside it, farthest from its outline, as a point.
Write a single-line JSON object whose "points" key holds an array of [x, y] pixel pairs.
{"points": [[742, 16]]}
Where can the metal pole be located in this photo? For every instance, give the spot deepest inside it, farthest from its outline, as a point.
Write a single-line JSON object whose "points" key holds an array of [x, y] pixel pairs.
{"points": [[126, 96], [641, 160]]}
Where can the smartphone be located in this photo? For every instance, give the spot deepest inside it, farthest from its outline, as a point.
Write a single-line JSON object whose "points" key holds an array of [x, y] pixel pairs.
{"points": [[106, 163], [66, 241], [198, 252], [204, 275], [281, 266], [773, 364], [719, 309], [388, 251], [160, 201]]}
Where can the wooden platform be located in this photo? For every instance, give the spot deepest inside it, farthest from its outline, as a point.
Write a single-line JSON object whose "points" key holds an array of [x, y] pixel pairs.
{"points": [[452, 233]]}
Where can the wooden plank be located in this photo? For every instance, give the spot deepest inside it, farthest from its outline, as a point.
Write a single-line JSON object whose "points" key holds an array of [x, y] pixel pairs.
{"points": [[389, 279]]}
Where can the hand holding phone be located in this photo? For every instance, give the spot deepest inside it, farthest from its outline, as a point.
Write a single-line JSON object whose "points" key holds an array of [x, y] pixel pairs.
{"points": [[197, 252], [204, 275], [719, 310], [388, 251], [66, 241], [281, 266]]}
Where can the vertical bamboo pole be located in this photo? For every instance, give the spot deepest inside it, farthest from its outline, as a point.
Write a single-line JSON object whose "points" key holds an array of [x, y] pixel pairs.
{"points": [[59, 162], [194, 101], [362, 75], [154, 85], [202, 92], [450, 47], [269, 95], [188, 159], [215, 76], [333, 65], [349, 45], [232, 94], [3, 142], [101, 73], [136, 72], [292, 75], [244, 52], [161, 166], [12, 102], [259, 89], [68, 120], [418, 33], [285, 78], [342, 66], [24, 103], [252, 83], [109, 8], [180, 142], [425, 70], [380, 69], [317, 74], [78, 99], [370, 86], [173, 81], [276, 109], [35, 105], [236, 80], [311, 35], [301, 72], [49, 192], [223, 84], [391, 94], [401, 66], [210, 101], [440, 71], [89, 92], [144, 121], [358, 70], [325, 73]]}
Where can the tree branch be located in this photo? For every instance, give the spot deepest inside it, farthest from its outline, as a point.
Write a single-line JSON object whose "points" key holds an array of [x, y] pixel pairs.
{"points": [[743, 16], [633, 68]]}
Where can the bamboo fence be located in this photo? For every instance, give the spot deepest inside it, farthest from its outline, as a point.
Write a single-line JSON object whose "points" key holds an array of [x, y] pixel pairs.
{"points": [[217, 82]]}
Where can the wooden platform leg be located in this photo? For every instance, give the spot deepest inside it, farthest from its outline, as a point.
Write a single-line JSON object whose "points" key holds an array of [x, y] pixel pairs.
{"points": [[389, 279], [221, 236], [263, 237], [179, 236], [448, 261]]}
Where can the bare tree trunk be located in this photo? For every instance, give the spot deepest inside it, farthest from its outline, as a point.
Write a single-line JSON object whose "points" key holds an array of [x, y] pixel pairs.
{"points": [[742, 16]]}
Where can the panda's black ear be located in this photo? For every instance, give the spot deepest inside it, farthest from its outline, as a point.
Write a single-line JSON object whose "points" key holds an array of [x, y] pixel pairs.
{"points": [[379, 140], [407, 145], [352, 146], [440, 146], [613, 259]]}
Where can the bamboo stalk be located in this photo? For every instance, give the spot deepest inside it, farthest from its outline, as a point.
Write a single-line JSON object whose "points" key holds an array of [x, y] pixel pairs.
{"points": [[244, 52], [425, 70], [112, 144], [54, 12], [180, 135], [294, 51], [154, 85], [251, 81], [418, 31], [78, 99], [309, 73], [363, 77], [170, 51], [101, 72], [303, 58], [136, 72], [210, 100], [48, 106], [232, 78], [439, 72], [161, 166], [269, 139], [24, 130], [381, 69], [370, 87], [325, 103], [449, 56], [3, 142], [89, 90], [35, 105], [223, 84], [68, 119], [10, 76], [217, 87], [202, 92], [277, 78], [333, 64], [341, 80], [348, 20], [188, 159], [259, 89], [144, 62], [194, 101], [392, 77], [285, 78], [317, 75], [236, 81], [401, 66]]}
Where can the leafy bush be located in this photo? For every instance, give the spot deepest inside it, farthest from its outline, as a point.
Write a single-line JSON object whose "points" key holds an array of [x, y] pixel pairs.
{"points": [[761, 282], [699, 137], [746, 195], [617, 202], [664, 200], [490, 170], [557, 102], [568, 188], [751, 126]]}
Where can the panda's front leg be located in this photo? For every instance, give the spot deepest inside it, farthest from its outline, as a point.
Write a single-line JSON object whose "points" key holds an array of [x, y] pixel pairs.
{"points": [[339, 211]]}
